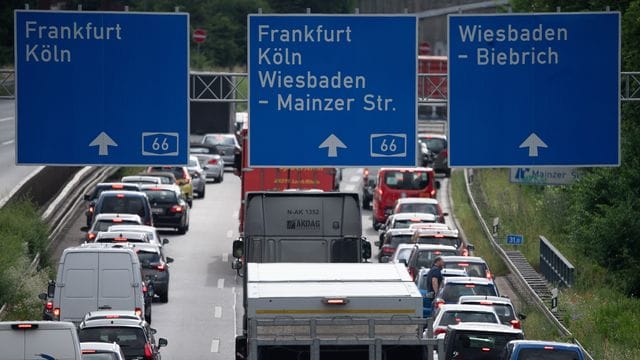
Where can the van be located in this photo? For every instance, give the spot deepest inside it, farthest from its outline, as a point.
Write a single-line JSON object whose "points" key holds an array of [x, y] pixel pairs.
{"points": [[39, 340], [396, 183], [125, 202], [96, 278]]}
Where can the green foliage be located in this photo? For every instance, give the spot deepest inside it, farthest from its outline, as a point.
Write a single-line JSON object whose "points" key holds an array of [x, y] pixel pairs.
{"points": [[316, 6], [568, 5]]}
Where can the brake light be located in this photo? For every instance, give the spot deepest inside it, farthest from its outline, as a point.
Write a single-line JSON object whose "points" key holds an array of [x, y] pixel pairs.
{"points": [[485, 349], [437, 252], [119, 239], [25, 326], [463, 264], [433, 193], [112, 316], [439, 303], [148, 353], [516, 325], [412, 273], [117, 186], [388, 250], [91, 209], [88, 351], [49, 305], [438, 236], [439, 330], [365, 173], [144, 288], [548, 347], [161, 267], [176, 209], [444, 153], [120, 196], [336, 301], [471, 286], [484, 302], [139, 311], [56, 312], [91, 236], [117, 220], [213, 162]]}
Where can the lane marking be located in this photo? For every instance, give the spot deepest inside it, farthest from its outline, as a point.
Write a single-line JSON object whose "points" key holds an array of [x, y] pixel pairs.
{"points": [[8, 142], [349, 187], [233, 309], [354, 178], [6, 119], [225, 257], [229, 234], [215, 345], [217, 312], [220, 283]]}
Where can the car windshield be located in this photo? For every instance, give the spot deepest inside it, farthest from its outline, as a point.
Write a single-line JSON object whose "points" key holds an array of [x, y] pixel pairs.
{"points": [[425, 257], [480, 346], [151, 256], [432, 240], [548, 354], [455, 317], [472, 269], [157, 197], [103, 225], [435, 144], [219, 140], [99, 356], [417, 208], [399, 239], [126, 337], [406, 180], [453, 291]]}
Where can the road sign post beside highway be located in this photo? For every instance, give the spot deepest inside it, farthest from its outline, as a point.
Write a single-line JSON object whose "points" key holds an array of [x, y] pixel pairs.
{"points": [[332, 90], [101, 88], [534, 90], [515, 239]]}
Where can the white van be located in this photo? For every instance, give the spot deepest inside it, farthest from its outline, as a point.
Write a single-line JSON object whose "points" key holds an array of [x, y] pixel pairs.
{"points": [[39, 340], [97, 278]]}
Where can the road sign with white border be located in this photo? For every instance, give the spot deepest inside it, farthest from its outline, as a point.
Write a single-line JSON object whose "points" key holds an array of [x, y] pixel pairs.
{"points": [[515, 239], [101, 88], [329, 90], [534, 90]]}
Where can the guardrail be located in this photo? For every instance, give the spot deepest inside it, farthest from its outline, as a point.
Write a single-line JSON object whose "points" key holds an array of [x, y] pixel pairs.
{"points": [[514, 270], [555, 267], [7, 84]]}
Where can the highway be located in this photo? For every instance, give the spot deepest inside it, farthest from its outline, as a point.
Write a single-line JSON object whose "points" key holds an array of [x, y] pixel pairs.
{"points": [[11, 174]]}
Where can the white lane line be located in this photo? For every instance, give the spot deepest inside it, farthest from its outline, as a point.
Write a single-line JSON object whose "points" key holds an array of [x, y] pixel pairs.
{"points": [[220, 283], [233, 308], [354, 178], [215, 345], [6, 119], [8, 142], [229, 233], [349, 187], [217, 312], [225, 257]]}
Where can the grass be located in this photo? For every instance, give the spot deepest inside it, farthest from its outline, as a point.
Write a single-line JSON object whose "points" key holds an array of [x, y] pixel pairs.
{"points": [[603, 319]]}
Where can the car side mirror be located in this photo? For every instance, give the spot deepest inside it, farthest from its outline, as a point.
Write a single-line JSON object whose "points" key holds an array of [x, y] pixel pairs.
{"points": [[165, 241], [51, 289], [162, 342], [87, 197], [169, 260], [238, 248], [438, 185], [522, 316], [366, 249], [43, 296]]}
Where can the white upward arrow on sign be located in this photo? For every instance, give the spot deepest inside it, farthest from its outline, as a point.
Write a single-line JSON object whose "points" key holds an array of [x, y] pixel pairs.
{"points": [[333, 143], [533, 142], [103, 141]]}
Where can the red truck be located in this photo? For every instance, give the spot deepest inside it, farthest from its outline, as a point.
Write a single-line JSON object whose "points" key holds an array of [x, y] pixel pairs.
{"points": [[432, 87], [280, 179]]}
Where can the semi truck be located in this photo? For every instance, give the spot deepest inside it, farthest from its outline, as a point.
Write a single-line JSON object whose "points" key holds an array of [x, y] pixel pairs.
{"points": [[332, 311]]}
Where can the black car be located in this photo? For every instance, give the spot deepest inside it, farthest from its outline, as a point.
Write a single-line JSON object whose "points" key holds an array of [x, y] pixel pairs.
{"points": [[478, 341], [155, 267], [92, 197], [169, 208], [125, 202], [438, 153]]}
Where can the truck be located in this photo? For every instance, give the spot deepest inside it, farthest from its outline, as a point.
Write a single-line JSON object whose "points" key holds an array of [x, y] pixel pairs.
{"points": [[280, 179], [432, 94], [332, 311]]}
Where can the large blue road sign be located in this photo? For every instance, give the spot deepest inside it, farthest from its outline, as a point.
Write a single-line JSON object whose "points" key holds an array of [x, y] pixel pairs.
{"points": [[534, 89], [332, 90], [101, 88]]}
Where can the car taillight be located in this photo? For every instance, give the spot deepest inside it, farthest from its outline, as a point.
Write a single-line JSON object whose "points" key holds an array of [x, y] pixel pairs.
{"points": [[120, 196], [412, 272], [86, 351], [91, 236], [161, 267], [388, 250], [439, 330], [144, 288], [138, 312], [213, 162], [176, 209], [433, 193], [486, 349], [91, 209], [56, 312], [49, 305], [148, 353], [548, 347], [439, 303], [444, 153], [116, 220], [515, 324]]}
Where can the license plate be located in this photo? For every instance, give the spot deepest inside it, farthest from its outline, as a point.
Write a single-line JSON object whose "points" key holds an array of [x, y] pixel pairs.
{"points": [[157, 210]]}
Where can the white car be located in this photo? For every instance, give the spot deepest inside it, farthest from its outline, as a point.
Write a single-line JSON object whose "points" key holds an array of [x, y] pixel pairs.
{"points": [[101, 351], [403, 251], [453, 314]]}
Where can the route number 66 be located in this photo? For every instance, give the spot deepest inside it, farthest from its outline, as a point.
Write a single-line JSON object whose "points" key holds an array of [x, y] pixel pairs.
{"points": [[388, 145], [159, 144]]}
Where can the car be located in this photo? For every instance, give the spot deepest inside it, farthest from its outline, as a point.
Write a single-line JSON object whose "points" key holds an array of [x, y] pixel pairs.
{"points": [[141, 179], [151, 232], [453, 287], [98, 189], [169, 208], [166, 177], [369, 183], [101, 351], [210, 161], [394, 183], [502, 306], [121, 236], [436, 236], [125, 202], [183, 179], [102, 222], [392, 238], [420, 205], [404, 220], [132, 333], [198, 178], [155, 266], [422, 256], [474, 265], [428, 296], [535, 349], [227, 145], [26, 339], [438, 153], [453, 314], [478, 341], [402, 253]]}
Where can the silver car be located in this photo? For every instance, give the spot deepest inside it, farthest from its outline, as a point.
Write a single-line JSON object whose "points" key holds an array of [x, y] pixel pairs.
{"points": [[227, 145], [210, 161], [198, 177]]}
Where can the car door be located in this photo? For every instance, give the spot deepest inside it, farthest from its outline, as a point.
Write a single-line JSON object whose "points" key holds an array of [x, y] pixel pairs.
{"points": [[116, 282], [79, 286]]}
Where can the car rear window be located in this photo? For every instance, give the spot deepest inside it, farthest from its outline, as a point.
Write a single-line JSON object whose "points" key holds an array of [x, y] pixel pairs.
{"points": [[417, 208], [453, 291], [432, 240], [472, 269], [126, 337], [151, 256], [480, 346], [455, 317], [103, 225], [161, 197], [406, 180], [399, 239], [99, 189], [219, 140], [425, 257], [123, 205], [555, 354], [99, 356]]}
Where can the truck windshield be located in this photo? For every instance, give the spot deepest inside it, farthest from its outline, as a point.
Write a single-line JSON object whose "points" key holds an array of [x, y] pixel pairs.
{"points": [[555, 354], [406, 180]]}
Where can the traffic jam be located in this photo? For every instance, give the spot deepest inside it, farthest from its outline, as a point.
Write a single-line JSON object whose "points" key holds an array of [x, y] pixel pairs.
{"points": [[377, 269]]}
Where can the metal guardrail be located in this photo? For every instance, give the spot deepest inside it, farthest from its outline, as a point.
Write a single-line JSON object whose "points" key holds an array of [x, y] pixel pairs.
{"points": [[7, 84], [513, 268], [555, 267], [630, 86]]}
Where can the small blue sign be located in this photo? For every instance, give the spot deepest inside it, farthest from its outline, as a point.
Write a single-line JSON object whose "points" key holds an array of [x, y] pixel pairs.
{"points": [[534, 90], [332, 90], [515, 239], [102, 88]]}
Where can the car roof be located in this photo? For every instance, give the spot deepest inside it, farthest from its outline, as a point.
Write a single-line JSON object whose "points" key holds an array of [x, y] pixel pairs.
{"points": [[392, 232], [112, 323], [485, 327], [426, 232], [409, 216], [445, 272], [159, 174], [121, 234], [154, 187], [467, 259], [138, 177], [433, 225], [121, 192], [148, 247], [467, 280], [101, 346], [105, 314], [477, 298], [427, 247], [132, 227], [416, 200], [542, 343], [123, 216], [466, 307]]}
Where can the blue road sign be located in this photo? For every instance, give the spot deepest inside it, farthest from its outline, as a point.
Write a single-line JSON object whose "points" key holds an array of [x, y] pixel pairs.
{"points": [[534, 90], [101, 88], [332, 90], [515, 239]]}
